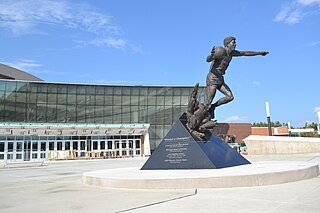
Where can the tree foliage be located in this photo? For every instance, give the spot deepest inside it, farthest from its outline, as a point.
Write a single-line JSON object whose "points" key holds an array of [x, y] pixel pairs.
{"points": [[273, 124], [314, 126]]}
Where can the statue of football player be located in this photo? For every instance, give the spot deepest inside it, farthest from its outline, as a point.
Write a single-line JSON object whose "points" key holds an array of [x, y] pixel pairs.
{"points": [[220, 59]]}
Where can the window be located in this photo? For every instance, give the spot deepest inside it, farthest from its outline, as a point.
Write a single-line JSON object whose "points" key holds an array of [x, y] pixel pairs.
{"points": [[21, 97], [34, 146], [137, 144], [1, 146], [67, 145], [130, 144], [19, 147], [109, 144], [10, 147], [102, 145], [51, 145], [62, 98], [43, 155], [117, 144], [124, 145], [59, 145], [43, 146], [75, 145], [83, 145], [95, 145]]}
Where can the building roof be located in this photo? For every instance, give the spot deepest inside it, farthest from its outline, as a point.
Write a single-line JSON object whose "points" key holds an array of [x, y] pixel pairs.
{"points": [[7, 72]]}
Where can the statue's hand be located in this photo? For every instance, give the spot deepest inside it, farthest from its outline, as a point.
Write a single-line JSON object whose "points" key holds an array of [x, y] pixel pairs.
{"points": [[263, 53]]}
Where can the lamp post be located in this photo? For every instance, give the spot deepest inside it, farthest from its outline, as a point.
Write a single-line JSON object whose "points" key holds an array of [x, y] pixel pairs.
{"points": [[289, 128], [268, 118], [318, 123]]}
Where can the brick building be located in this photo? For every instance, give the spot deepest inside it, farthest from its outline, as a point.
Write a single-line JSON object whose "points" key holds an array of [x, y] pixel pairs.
{"points": [[276, 131], [239, 130], [243, 130]]}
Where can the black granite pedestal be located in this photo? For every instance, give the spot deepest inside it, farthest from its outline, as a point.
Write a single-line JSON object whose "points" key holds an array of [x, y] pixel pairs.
{"points": [[182, 150]]}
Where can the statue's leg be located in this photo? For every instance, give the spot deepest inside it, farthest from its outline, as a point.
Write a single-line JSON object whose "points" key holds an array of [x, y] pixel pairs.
{"points": [[224, 89], [210, 93]]}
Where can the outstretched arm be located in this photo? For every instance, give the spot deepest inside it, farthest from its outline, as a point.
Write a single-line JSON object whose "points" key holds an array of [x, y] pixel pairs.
{"points": [[248, 53]]}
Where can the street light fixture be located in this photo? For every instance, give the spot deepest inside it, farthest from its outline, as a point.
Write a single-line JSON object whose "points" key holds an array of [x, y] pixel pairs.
{"points": [[268, 118]]}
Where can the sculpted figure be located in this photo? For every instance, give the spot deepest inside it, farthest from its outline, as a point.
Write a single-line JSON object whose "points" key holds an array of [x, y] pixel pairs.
{"points": [[200, 115], [220, 59], [193, 103]]}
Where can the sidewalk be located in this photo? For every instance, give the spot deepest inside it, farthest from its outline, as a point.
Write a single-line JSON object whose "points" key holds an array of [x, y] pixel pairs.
{"points": [[57, 187]]}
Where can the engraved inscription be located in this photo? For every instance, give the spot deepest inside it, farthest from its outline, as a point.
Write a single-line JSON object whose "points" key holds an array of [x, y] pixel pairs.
{"points": [[175, 152]]}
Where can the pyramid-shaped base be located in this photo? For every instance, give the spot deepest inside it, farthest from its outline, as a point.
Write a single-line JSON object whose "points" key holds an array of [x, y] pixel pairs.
{"points": [[182, 150]]}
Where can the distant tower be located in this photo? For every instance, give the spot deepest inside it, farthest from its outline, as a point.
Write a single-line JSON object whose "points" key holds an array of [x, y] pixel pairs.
{"points": [[268, 118]]}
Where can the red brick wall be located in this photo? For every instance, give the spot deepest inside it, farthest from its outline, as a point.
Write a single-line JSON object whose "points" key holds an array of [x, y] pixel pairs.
{"points": [[243, 130], [240, 130], [261, 131], [283, 130]]}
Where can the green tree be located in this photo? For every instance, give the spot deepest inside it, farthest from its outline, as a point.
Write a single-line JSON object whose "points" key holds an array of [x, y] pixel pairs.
{"points": [[273, 124], [314, 126]]}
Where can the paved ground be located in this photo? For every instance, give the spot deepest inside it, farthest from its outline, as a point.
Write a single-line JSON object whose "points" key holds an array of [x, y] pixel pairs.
{"points": [[57, 187]]}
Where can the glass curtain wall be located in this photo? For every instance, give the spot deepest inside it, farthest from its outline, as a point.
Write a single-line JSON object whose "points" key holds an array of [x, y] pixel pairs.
{"points": [[37, 102]]}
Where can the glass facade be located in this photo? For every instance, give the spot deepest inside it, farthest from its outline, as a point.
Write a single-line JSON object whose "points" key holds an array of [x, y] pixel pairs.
{"points": [[38, 102], [35, 148]]}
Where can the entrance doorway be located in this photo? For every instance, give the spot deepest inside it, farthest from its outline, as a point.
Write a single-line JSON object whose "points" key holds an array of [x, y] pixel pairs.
{"points": [[27, 151]]}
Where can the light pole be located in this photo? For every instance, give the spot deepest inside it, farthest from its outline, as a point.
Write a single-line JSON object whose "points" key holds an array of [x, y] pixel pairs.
{"points": [[289, 128], [318, 123], [268, 118]]}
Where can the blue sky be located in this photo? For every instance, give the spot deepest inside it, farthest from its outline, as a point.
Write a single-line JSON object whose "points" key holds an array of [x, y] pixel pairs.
{"points": [[166, 42]]}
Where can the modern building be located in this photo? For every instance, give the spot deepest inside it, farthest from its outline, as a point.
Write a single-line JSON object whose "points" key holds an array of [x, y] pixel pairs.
{"points": [[43, 120], [7, 72]]}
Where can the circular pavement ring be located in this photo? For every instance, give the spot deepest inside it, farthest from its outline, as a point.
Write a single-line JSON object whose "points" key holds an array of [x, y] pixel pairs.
{"points": [[256, 174]]}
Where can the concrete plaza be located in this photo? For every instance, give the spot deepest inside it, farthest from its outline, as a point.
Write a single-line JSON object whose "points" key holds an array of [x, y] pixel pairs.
{"points": [[57, 187]]}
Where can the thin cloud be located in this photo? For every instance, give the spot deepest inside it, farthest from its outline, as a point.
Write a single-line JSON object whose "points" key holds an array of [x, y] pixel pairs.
{"points": [[317, 109], [103, 42], [309, 2], [234, 119], [24, 64], [27, 16], [292, 12], [312, 44], [138, 49], [21, 17], [257, 83], [294, 17], [31, 66], [110, 42]]}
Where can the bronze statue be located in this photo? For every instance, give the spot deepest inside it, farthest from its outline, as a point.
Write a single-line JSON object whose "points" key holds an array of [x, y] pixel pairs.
{"points": [[220, 59], [200, 116]]}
